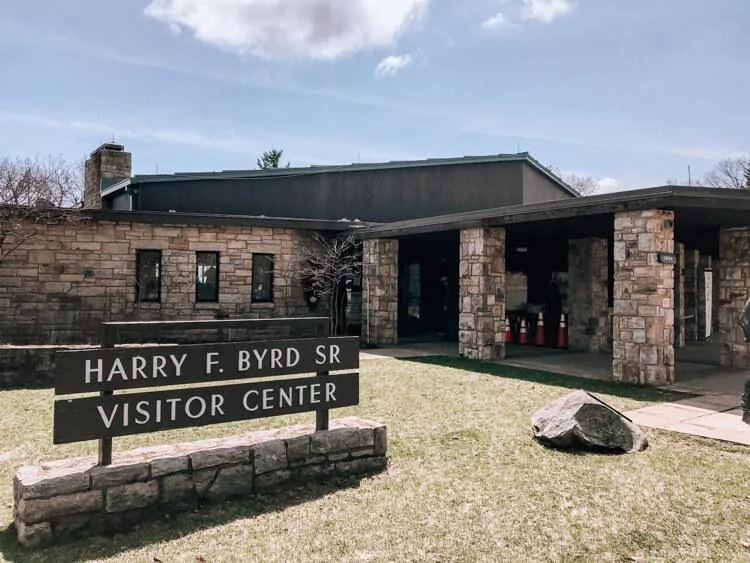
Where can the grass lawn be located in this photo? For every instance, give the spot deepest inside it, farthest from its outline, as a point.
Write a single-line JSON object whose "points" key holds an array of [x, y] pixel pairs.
{"points": [[466, 482]]}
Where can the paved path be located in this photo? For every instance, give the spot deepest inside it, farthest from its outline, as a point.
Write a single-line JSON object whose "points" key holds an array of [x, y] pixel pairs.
{"points": [[709, 416]]}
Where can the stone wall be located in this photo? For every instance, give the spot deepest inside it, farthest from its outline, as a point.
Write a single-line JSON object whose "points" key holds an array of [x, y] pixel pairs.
{"points": [[481, 322], [380, 292], [59, 501], [734, 290], [108, 161], [643, 319], [589, 323], [62, 282]]}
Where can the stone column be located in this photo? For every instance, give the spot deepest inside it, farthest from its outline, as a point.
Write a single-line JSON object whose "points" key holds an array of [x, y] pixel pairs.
{"points": [[734, 289], [643, 322], [482, 294], [704, 263], [692, 257], [380, 291], [109, 161], [588, 298]]}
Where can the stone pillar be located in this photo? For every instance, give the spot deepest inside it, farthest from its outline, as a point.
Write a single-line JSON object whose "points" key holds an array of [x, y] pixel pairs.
{"points": [[692, 257], [704, 264], [482, 294], [380, 291], [643, 322], [109, 161], [734, 289], [679, 297], [588, 299]]}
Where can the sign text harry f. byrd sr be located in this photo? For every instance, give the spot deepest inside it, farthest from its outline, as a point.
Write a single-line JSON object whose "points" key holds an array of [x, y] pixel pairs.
{"points": [[158, 366]]}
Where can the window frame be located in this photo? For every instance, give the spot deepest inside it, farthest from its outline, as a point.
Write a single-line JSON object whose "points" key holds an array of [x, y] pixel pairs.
{"points": [[272, 257], [215, 297], [139, 253]]}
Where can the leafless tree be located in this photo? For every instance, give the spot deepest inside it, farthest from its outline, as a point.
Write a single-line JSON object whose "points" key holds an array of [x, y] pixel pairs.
{"points": [[326, 271], [584, 185], [729, 173], [34, 192]]}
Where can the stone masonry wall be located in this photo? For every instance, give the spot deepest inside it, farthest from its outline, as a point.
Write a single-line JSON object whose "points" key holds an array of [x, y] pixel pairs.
{"points": [[481, 322], [589, 328], [59, 501], [643, 321], [61, 283], [734, 290], [380, 292]]}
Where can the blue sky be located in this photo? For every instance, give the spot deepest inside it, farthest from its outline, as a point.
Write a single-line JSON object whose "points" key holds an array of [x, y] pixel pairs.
{"points": [[631, 92]]}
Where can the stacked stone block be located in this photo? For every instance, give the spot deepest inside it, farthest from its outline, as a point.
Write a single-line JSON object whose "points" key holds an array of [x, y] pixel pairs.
{"points": [[71, 498], [58, 285], [481, 322], [680, 297], [589, 325], [734, 290], [108, 161], [643, 319], [380, 291]]}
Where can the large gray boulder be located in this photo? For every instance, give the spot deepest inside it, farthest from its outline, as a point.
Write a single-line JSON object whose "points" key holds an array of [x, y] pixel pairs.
{"points": [[581, 421]]}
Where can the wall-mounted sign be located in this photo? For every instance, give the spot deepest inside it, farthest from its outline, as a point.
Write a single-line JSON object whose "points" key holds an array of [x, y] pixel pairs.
{"points": [[667, 258], [107, 370]]}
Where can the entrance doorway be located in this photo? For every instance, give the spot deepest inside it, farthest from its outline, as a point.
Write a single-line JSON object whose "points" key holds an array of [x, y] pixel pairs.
{"points": [[428, 287]]}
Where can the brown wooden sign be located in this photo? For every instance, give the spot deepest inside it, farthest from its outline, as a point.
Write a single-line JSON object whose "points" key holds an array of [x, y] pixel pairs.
{"points": [[107, 370], [138, 413], [156, 366]]}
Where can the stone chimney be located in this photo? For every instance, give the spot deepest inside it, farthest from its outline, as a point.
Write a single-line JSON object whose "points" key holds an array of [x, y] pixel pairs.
{"points": [[104, 166]]}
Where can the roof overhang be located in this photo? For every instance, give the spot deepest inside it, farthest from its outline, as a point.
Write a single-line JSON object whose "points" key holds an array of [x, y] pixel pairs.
{"points": [[705, 207], [122, 184], [162, 218]]}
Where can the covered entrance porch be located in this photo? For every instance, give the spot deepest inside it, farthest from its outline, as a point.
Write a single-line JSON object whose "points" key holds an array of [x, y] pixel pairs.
{"points": [[638, 275]]}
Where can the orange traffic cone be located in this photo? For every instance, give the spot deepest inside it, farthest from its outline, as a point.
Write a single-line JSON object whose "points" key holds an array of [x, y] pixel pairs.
{"points": [[508, 332], [539, 341], [562, 333], [523, 335]]}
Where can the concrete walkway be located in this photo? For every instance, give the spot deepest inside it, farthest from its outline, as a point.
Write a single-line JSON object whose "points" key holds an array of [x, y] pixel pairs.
{"points": [[709, 416]]}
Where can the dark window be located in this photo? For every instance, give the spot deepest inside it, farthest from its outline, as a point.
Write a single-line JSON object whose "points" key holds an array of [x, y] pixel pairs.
{"points": [[148, 276], [207, 277], [262, 278]]}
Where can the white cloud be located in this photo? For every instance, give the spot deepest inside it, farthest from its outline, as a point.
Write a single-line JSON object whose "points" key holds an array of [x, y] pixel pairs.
{"points": [[313, 29], [498, 22], [608, 185], [546, 10], [390, 66]]}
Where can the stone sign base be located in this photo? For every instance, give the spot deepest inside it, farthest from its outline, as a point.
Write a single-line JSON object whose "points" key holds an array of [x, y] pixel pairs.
{"points": [[61, 500]]}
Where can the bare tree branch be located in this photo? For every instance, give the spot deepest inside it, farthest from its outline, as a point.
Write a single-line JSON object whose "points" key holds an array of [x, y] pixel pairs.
{"points": [[733, 173], [34, 192], [325, 272], [584, 185]]}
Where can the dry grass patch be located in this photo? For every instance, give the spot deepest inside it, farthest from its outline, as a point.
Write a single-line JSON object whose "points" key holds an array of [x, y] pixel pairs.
{"points": [[466, 482]]}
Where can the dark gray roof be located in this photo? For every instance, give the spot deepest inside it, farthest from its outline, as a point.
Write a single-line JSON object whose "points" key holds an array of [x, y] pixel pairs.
{"points": [[291, 172], [709, 207]]}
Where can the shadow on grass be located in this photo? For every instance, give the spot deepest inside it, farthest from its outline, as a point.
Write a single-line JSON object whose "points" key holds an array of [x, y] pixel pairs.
{"points": [[166, 526], [625, 390]]}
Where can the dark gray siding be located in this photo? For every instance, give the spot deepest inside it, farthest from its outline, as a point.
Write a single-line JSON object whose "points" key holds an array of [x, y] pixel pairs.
{"points": [[538, 188], [120, 202], [381, 195]]}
